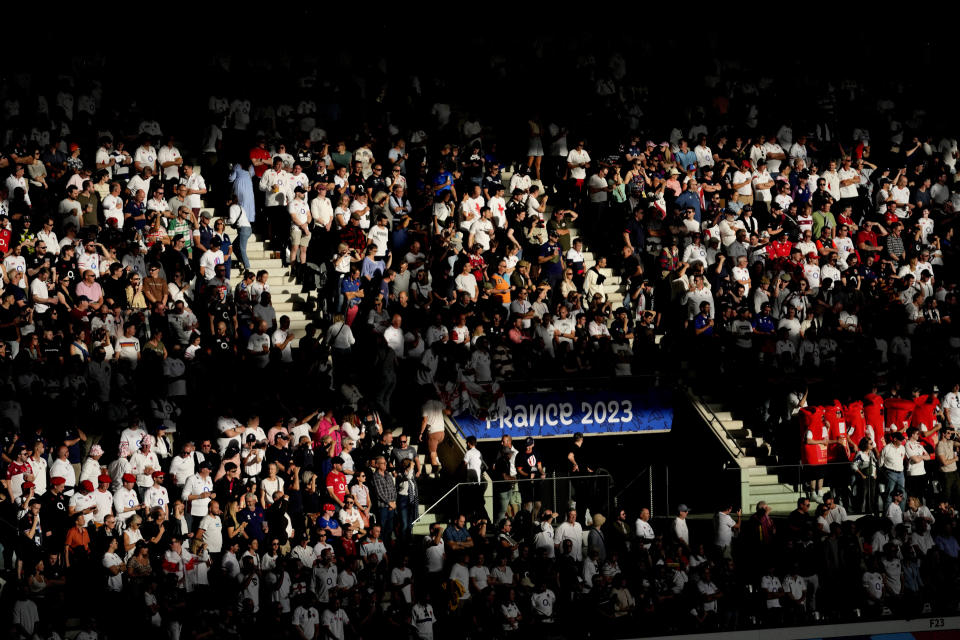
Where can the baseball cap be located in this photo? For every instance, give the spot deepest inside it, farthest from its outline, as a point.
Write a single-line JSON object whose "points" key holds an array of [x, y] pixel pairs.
{"points": [[157, 474], [528, 442], [58, 480], [329, 507], [104, 478], [129, 477], [28, 485], [683, 508], [251, 437], [299, 189], [86, 485], [691, 167]]}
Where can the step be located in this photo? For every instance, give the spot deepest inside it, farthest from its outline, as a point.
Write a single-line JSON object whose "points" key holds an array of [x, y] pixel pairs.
{"points": [[757, 470], [743, 443], [771, 490], [739, 432], [763, 480]]}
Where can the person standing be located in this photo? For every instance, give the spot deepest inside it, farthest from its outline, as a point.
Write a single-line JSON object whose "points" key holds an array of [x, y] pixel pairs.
{"points": [[916, 473], [570, 530], [947, 461], [865, 475], [577, 466], [891, 464], [725, 527]]}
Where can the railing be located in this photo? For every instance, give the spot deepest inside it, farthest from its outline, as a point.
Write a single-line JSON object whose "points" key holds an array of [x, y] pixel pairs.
{"points": [[730, 442], [839, 479], [554, 492]]}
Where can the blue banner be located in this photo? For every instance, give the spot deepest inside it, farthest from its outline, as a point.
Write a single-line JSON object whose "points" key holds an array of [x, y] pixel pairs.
{"points": [[546, 415]]}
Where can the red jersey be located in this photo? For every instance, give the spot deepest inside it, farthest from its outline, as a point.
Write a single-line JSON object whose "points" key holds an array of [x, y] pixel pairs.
{"points": [[838, 431], [779, 249], [260, 154], [856, 422], [811, 418], [16, 469], [899, 414], [924, 418], [4, 241], [867, 237], [338, 482]]}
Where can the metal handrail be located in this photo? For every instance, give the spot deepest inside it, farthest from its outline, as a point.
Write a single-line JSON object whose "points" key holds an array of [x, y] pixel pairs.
{"points": [[713, 418], [630, 484], [441, 499], [456, 487]]}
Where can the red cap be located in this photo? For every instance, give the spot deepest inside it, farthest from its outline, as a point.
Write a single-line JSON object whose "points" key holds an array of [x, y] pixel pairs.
{"points": [[329, 507], [129, 477], [812, 254], [157, 474], [57, 480], [28, 485], [104, 478], [86, 485]]}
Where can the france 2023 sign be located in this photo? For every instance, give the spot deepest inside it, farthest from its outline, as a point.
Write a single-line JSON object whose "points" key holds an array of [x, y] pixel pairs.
{"points": [[546, 415]]}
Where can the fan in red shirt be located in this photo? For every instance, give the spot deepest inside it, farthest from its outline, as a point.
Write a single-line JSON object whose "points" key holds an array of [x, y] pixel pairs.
{"points": [[813, 451], [873, 413], [867, 241], [260, 157], [840, 450], [336, 481], [856, 423], [899, 414], [20, 465], [779, 248], [924, 418], [5, 236]]}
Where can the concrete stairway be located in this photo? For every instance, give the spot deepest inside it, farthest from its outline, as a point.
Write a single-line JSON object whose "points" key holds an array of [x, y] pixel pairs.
{"points": [[287, 296], [760, 477]]}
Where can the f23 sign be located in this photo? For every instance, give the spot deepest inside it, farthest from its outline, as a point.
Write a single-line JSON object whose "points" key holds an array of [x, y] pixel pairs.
{"points": [[547, 415]]}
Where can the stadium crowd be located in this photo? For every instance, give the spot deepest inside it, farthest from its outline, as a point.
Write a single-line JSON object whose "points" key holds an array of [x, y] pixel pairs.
{"points": [[171, 463]]}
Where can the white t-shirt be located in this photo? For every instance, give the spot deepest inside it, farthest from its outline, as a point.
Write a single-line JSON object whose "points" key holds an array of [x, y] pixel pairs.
{"points": [[433, 411], [577, 157], [212, 533], [724, 534], [771, 584], [773, 164], [308, 619], [114, 582], [849, 191], [169, 154], [146, 156], [745, 177], [334, 621], [598, 182], [195, 485], [194, 183]]}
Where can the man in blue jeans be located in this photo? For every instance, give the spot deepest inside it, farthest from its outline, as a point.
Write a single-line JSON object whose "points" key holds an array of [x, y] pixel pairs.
{"points": [[891, 463], [385, 489]]}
